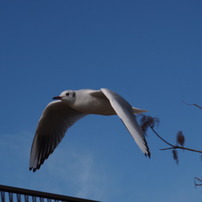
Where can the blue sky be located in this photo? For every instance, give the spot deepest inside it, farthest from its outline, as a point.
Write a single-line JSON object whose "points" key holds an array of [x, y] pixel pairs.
{"points": [[147, 51]]}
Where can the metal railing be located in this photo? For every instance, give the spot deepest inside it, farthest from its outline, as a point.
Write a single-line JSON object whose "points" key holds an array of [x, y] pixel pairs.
{"points": [[14, 194]]}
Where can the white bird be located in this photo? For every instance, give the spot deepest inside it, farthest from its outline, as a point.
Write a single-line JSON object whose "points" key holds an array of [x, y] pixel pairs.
{"points": [[71, 106]]}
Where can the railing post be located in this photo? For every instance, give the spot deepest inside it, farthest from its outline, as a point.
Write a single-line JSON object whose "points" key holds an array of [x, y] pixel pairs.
{"points": [[2, 196]]}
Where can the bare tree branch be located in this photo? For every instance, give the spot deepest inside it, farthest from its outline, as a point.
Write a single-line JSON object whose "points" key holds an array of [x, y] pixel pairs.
{"points": [[196, 182], [183, 148], [196, 105], [148, 121], [172, 146], [160, 136]]}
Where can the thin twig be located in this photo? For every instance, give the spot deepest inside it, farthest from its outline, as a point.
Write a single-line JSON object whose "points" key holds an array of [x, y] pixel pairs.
{"points": [[160, 137], [196, 183], [196, 178], [184, 148], [173, 146], [196, 105]]}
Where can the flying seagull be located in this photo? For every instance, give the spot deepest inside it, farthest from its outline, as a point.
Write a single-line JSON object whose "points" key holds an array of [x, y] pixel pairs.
{"points": [[71, 106]]}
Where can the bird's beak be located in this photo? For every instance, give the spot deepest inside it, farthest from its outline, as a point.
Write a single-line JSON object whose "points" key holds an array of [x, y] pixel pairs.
{"points": [[57, 98]]}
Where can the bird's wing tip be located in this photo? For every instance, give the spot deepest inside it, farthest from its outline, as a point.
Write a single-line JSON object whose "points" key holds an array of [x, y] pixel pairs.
{"points": [[148, 154], [34, 169]]}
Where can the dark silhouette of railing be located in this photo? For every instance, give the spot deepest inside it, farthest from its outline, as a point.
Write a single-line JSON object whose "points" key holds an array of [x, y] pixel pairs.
{"points": [[14, 194]]}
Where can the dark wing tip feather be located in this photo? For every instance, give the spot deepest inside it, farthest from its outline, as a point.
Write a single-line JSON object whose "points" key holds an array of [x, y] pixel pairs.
{"points": [[148, 154]]}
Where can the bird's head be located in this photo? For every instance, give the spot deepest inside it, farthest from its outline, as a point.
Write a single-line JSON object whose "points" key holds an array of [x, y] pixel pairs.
{"points": [[67, 96]]}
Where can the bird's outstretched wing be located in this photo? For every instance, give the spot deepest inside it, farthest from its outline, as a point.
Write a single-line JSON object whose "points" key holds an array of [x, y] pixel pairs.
{"points": [[54, 122], [125, 112]]}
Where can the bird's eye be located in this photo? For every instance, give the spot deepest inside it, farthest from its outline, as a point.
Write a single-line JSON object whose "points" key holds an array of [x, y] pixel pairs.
{"points": [[67, 94]]}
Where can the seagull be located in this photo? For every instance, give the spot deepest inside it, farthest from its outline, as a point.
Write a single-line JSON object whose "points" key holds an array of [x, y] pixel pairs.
{"points": [[72, 105]]}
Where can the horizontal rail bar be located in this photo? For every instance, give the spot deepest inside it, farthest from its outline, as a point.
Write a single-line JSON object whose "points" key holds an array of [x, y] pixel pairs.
{"points": [[41, 194]]}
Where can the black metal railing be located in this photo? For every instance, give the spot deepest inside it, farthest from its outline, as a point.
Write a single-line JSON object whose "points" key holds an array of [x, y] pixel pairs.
{"points": [[14, 194]]}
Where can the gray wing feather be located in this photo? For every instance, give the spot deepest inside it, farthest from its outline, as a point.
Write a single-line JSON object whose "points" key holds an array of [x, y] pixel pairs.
{"points": [[125, 112], [54, 122]]}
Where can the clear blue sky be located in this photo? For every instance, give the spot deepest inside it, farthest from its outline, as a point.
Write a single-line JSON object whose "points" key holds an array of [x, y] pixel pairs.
{"points": [[150, 52]]}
